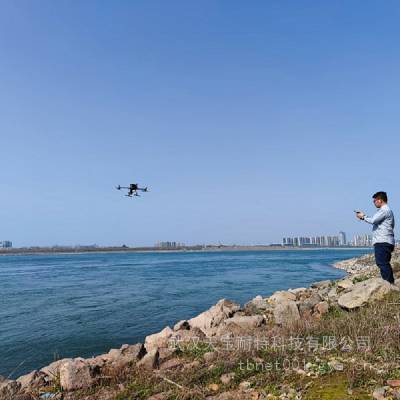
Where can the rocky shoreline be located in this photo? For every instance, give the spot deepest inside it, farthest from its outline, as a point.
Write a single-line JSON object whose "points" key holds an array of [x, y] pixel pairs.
{"points": [[224, 320]]}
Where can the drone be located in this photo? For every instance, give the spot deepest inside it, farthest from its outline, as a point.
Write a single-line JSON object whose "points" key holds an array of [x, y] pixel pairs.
{"points": [[132, 189]]}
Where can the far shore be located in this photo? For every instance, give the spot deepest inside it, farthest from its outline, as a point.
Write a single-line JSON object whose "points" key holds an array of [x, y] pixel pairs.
{"points": [[188, 249]]}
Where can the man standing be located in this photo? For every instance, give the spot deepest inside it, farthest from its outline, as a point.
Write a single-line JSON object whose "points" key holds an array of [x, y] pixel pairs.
{"points": [[383, 235]]}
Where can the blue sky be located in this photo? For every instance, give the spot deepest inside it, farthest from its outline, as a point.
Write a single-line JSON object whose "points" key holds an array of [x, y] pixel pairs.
{"points": [[248, 121]]}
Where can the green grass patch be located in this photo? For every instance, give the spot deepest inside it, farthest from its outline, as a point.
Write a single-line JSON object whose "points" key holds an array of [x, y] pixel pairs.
{"points": [[194, 351], [360, 278], [135, 391], [334, 387], [205, 376]]}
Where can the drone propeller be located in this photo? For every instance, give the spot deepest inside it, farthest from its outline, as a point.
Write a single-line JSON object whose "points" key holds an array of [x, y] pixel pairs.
{"points": [[118, 187]]}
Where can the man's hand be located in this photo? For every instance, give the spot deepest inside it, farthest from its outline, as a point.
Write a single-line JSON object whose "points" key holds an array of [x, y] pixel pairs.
{"points": [[360, 215]]}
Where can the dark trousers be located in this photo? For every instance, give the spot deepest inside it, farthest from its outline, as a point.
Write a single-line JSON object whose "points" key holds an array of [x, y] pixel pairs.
{"points": [[383, 255]]}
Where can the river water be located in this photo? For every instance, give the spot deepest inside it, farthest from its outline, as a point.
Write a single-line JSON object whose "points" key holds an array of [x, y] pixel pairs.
{"points": [[54, 306]]}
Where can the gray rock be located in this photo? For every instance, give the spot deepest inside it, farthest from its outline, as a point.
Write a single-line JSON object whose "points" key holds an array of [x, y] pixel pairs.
{"points": [[185, 336], [244, 385], [165, 353], [332, 294], [297, 291], [184, 324], [365, 292], [356, 264], [227, 378], [321, 308], [52, 371], [258, 303], [336, 365], [379, 393], [118, 357], [213, 317], [286, 312], [345, 283], [130, 354], [282, 295], [159, 339], [310, 303], [321, 284], [111, 356], [324, 293], [32, 380], [245, 322], [150, 360], [75, 374], [9, 389]]}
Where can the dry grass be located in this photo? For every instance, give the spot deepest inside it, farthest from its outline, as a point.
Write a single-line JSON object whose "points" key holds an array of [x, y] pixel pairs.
{"points": [[363, 370]]}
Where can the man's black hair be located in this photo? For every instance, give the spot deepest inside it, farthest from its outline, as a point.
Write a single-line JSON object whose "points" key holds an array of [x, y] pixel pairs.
{"points": [[380, 196]]}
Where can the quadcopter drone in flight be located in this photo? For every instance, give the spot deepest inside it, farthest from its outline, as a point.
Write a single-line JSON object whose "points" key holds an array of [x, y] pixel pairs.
{"points": [[132, 189]]}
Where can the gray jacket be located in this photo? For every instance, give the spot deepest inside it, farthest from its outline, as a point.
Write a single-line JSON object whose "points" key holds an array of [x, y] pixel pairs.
{"points": [[383, 225]]}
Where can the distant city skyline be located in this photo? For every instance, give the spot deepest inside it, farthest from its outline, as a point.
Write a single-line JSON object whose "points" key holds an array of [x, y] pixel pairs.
{"points": [[245, 122], [328, 240], [322, 240]]}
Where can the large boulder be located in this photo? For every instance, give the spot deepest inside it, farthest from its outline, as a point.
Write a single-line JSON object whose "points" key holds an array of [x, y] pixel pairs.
{"points": [[184, 338], [366, 292], [297, 291], [150, 361], [306, 306], [8, 388], [282, 295], [346, 283], [321, 284], [213, 317], [158, 340], [321, 309], [183, 324], [245, 322], [257, 304], [118, 357], [305, 294], [286, 313], [323, 293], [132, 352], [33, 380], [52, 371], [332, 294], [75, 374], [185, 335]]}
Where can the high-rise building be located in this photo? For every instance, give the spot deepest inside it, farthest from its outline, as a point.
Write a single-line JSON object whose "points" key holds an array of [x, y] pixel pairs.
{"points": [[342, 239], [327, 241], [362, 240], [6, 244], [287, 241], [169, 245]]}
